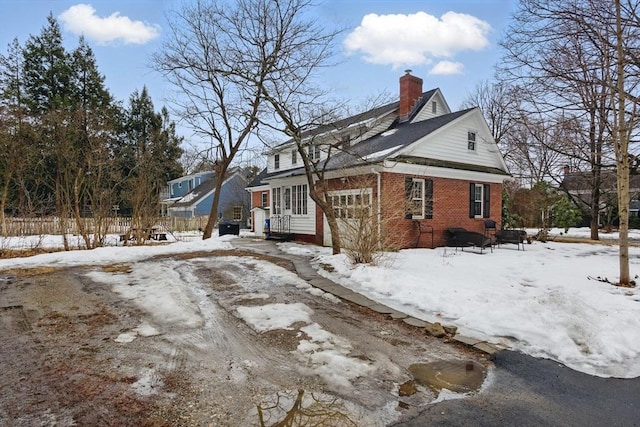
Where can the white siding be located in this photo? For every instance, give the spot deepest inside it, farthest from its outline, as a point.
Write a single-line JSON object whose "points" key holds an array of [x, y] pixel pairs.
{"points": [[427, 110], [450, 143], [302, 224]]}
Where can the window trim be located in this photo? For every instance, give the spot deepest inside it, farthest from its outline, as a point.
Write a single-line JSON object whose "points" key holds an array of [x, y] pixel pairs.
{"points": [[264, 199], [294, 157], [484, 202], [237, 209], [434, 107], [299, 196], [276, 161], [425, 199], [347, 204], [472, 140]]}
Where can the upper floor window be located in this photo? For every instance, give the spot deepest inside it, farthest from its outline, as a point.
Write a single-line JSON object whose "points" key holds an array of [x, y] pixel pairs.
{"points": [[294, 157], [471, 140], [346, 142], [276, 161], [434, 107], [314, 152]]}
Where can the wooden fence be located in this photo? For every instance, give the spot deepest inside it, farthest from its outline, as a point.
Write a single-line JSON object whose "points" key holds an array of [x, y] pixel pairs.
{"points": [[52, 225]]}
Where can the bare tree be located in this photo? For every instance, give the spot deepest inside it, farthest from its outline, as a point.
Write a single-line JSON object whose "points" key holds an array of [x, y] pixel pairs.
{"points": [[579, 57], [217, 56], [560, 71]]}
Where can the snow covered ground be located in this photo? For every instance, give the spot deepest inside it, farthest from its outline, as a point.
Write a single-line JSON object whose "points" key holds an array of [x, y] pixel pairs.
{"points": [[543, 301]]}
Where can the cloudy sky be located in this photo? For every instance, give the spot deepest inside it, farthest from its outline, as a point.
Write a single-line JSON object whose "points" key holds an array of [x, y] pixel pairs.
{"points": [[451, 45]]}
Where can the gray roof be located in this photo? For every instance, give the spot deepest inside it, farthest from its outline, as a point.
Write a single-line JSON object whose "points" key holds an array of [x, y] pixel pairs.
{"points": [[360, 117], [398, 136], [195, 195]]}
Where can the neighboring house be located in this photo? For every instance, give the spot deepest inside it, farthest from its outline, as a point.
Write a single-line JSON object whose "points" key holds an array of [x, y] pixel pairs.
{"points": [[192, 196], [413, 163], [578, 185]]}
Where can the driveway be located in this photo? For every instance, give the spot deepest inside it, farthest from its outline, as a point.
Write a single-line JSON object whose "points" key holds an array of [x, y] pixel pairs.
{"points": [[225, 338]]}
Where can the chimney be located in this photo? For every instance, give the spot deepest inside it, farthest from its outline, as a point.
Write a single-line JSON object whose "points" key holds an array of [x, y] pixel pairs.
{"points": [[410, 92]]}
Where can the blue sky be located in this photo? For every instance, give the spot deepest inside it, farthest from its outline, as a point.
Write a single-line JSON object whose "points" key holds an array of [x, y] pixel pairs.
{"points": [[452, 45]]}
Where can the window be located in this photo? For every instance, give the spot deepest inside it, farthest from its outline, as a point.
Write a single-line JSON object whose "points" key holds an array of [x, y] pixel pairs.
{"points": [[479, 200], [352, 204], [287, 198], [294, 157], [237, 213], [434, 107], [314, 152], [471, 141], [264, 199], [277, 207], [276, 161], [346, 142], [299, 199], [419, 194]]}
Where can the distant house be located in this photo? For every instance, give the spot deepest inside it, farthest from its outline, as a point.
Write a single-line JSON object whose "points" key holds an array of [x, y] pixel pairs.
{"points": [[192, 196], [579, 185], [413, 160]]}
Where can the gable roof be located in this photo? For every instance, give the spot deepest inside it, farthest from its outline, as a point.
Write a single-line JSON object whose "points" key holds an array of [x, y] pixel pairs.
{"points": [[203, 190], [385, 144], [342, 124], [579, 181]]}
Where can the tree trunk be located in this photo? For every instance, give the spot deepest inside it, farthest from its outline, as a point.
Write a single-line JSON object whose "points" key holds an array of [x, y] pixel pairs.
{"points": [[220, 172], [622, 156]]}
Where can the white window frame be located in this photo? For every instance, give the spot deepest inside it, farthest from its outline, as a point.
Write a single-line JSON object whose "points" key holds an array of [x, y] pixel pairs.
{"points": [[414, 197], [472, 138], [264, 199], [276, 200], [294, 157], [237, 213], [478, 202], [314, 152], [276, 161], [434, 107], [346, 203], [299, 199]]}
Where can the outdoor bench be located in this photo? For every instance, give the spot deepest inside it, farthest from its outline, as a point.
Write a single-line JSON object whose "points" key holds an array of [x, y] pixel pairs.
{"points": [[460, 238], [516, 237]]}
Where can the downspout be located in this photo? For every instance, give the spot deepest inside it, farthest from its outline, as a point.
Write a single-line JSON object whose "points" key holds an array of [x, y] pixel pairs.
{"points": [[379, 189]]}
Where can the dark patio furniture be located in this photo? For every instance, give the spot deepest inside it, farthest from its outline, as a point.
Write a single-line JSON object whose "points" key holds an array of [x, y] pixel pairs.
{"points": [[460, 238], [517, 237]]}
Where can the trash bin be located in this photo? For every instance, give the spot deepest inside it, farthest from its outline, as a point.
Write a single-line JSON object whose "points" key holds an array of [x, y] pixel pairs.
{"points": [[267, 226], [228, 228]]}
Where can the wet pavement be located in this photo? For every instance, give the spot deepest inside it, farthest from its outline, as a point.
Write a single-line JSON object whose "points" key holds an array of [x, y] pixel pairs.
{"points": [[521, 390], [308, 273]]}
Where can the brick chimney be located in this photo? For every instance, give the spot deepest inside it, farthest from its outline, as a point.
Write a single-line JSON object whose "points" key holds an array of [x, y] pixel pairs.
{"points": [[410, 92]]}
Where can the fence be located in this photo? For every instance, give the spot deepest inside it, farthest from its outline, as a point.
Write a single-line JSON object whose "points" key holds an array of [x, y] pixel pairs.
{"points": [[119, 225]]}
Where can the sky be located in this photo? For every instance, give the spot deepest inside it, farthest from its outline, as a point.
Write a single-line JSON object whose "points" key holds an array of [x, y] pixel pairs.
{"points": [[542, 301], [452, 45]]}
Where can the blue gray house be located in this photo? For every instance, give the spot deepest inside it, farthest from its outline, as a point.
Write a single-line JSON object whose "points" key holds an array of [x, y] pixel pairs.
{"points": [[191, 196]]}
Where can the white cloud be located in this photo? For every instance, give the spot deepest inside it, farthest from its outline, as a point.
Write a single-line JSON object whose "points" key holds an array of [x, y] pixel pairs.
{"points": [[402, 40], [82, 19], [447, 68]]}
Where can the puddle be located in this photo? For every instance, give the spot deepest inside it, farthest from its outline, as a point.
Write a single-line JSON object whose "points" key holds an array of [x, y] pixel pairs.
{"points": [[458, 376], [301, 408]]}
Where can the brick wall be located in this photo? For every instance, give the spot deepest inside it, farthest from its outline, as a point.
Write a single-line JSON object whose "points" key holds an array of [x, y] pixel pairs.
{"points": [[450, 209]]}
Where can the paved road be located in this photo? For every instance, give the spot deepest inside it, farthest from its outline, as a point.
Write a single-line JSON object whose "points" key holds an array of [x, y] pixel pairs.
{"points": [[525, 391]]}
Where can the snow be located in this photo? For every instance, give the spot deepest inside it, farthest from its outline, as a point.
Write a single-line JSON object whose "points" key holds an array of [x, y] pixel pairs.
{"points": [[542, 301], [275, 316]]}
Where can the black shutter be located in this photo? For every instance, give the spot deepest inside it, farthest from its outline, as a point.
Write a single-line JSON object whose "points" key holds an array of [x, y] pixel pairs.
{"points": [[472, 200], [408, 185], [487, 201], [428, 183]]}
